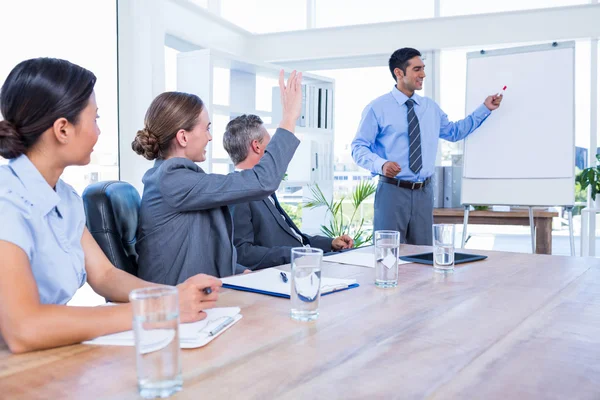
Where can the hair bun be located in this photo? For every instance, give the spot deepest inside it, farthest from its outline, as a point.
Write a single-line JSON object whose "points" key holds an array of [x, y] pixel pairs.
{"points": [[146, 144], [11, 144]]}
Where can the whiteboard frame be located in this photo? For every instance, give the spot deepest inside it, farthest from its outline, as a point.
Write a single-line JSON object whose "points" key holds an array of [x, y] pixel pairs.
{"points": [[510, 184]]}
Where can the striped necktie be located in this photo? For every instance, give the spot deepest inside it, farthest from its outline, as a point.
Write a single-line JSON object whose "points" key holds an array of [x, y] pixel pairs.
{"points": [[415, 162]]}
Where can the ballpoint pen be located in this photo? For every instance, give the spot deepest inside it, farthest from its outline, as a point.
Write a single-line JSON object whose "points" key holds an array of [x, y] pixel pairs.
{"points": [[284, 277], [207, 290], [221, 326]]}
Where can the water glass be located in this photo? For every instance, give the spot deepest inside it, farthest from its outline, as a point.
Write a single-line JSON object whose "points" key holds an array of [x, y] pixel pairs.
{"points": [[156, 328], [306, 283], [387, 245], [443, 247]]}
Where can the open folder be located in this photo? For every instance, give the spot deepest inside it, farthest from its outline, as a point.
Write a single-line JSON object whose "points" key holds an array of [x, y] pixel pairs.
{"points": [[191, 335], [269, 281]]}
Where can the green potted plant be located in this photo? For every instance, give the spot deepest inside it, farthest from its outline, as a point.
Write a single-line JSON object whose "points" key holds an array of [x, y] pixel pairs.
{"points": [[590, 177], [338, 223]]}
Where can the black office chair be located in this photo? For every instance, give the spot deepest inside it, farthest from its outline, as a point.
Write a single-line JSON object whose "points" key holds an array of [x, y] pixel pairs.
{"points": [[112, 210]]}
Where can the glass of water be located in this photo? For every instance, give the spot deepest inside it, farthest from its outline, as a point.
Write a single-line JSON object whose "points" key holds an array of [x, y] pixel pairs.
{"points": [[306, 283], [156, 328], [387, 245], [443, 247]]}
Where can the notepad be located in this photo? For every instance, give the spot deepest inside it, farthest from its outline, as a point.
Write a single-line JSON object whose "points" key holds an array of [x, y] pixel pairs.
{"points": [[191, 335], [362, 259], [269, 282]]}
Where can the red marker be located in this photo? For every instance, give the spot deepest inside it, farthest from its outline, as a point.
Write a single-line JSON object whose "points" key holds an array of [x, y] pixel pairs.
{"points": [[501, 93]]}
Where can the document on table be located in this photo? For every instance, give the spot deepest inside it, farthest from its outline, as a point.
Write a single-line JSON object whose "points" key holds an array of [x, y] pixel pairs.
{"points": [[270, 282], [362, 259], [191, 335]]}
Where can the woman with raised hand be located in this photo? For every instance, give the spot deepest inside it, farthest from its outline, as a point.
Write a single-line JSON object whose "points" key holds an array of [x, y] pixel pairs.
{"points": [[185, 226], [50, 114]]}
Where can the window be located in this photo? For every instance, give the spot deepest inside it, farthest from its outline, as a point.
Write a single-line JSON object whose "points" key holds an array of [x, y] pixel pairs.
{"points": [[217, 131], [221, 81], [355, 12], [88, 38], [170, 69], [466, 7], [263, 16], [222, 168], [453, 83]]}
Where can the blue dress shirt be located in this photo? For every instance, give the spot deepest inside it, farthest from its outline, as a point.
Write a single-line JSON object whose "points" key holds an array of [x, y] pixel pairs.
{"points": [[383, 133], [47, 225]]}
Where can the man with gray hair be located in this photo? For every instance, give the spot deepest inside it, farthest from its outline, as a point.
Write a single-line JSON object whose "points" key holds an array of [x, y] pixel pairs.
{"points": [[263, 233]]}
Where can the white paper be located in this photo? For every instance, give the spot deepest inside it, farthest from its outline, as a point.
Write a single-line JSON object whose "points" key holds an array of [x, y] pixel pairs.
{"points": [[362, 259], [358, 258], [269, 280], [191, 335], [389, 261]]}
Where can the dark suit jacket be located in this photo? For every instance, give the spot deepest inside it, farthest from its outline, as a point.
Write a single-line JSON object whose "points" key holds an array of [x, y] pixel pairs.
{"points": [[185, 227], [262, 237]]}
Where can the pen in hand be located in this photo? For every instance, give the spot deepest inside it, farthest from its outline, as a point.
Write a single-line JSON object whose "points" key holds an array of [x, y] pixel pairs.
{"points": [[501, 93], [207, 290], [284, 277]]}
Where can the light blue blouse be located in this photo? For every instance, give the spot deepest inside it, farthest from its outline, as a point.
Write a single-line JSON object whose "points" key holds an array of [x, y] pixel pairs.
{"points": [[47, 225], [383, 133]]}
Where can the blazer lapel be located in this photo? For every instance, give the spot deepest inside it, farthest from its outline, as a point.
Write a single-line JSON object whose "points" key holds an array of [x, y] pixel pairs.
{"points": [[279, 218]]}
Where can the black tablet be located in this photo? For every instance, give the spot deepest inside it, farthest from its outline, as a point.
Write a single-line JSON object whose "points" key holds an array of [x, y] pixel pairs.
{"points": [[427, 258]]}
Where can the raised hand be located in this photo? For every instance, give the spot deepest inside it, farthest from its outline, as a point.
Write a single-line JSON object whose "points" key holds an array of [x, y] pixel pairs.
{"points": [[291, 99]]}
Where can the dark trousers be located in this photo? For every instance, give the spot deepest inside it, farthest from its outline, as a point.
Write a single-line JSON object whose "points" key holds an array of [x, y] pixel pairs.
{"points": [[408, 211]]}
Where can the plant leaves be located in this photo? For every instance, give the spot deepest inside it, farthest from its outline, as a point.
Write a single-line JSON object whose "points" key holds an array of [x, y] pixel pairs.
{"points": [[339, 224]]}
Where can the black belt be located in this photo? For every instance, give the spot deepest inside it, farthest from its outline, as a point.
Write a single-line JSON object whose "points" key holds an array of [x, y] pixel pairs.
{"points": [[404, 184]]}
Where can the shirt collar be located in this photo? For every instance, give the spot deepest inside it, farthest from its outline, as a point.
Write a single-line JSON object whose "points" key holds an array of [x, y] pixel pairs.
{"points": [[42, 195], [401, 97]]}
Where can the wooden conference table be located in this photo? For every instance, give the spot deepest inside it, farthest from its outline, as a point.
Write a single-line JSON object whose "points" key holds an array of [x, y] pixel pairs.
{"points": [[515, 326], [542, 220]]}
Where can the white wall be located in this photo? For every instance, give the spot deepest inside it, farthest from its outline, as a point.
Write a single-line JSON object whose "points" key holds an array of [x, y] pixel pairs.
{"points": [[430, 34], [143, 24]]}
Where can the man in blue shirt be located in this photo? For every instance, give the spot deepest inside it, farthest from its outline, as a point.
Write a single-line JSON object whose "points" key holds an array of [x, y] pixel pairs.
{"points": [[397, 139]]}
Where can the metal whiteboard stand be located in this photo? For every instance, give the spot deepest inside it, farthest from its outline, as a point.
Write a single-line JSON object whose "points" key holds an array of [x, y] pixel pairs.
{"points": [[531, 225], [571, 236], [465, 223]]}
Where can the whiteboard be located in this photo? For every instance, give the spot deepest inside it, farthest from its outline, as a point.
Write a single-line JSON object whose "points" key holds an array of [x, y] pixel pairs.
{"points": [[523, 153]]}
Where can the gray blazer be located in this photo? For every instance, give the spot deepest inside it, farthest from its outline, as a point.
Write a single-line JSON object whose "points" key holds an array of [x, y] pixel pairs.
{"points": [[262, 237], [185, 227]]}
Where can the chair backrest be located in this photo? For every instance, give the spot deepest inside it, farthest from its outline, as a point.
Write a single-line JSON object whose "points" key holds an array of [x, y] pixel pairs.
{"points": [[112, 211]]}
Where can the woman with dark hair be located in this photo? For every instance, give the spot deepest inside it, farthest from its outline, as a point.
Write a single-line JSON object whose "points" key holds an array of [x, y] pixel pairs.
{"points": [[185, 226], [49, 110]]}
